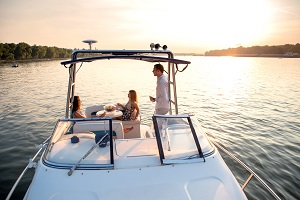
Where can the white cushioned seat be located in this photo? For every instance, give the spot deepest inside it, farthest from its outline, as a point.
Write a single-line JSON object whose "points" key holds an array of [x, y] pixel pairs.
{"points": [[93, 109], [82, 127]]}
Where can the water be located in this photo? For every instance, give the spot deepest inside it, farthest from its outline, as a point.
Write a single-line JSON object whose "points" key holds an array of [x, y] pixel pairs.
{"points": [[251, 105]]}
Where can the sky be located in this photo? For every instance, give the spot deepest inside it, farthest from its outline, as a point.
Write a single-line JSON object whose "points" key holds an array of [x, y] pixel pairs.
{"points": [[187, 26]]}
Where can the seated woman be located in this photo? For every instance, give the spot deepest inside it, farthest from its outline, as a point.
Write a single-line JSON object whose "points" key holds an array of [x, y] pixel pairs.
{"points": [[78, 113], [130, 107]]}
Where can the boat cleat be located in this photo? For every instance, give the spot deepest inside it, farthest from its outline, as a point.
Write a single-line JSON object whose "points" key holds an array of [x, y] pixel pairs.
{"points": [[31, 164], [40, 146]]}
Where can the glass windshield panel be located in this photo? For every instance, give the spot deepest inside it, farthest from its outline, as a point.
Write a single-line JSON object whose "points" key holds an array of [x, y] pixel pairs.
{"points": [[73, 140], [176, 138]]}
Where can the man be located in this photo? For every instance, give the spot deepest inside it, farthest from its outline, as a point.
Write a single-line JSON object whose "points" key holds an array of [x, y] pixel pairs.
{"points": [[162, 105]]}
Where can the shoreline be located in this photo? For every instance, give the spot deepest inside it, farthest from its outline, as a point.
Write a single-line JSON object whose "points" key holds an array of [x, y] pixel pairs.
{"points": [[30, 60]]}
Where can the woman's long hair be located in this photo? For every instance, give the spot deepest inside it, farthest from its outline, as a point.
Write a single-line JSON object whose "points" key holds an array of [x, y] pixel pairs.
{"points": [[76, 104], [133, 96]]}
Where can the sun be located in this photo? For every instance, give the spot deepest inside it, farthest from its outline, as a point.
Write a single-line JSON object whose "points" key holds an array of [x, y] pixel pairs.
{"points": [[212, 23], [234, 23]]}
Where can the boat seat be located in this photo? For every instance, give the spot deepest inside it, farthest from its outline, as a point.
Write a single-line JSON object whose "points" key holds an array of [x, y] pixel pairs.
{"points": [[117, 127], [135, 132], [91, 111]]}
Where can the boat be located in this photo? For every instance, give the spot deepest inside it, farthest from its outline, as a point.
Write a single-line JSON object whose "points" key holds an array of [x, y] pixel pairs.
{"points": [[92, 158], [15, 65]]}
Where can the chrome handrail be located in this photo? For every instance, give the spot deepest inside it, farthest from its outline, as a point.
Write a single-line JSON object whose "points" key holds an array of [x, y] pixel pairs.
{"points": [[252, 174], [26, 168]]}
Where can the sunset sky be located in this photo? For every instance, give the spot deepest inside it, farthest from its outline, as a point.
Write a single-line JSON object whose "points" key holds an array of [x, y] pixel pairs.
{"points": [[185, 26]]}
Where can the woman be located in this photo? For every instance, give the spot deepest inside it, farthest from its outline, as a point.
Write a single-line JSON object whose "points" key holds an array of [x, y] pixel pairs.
{"points": [[130, 107], [77, 112]]}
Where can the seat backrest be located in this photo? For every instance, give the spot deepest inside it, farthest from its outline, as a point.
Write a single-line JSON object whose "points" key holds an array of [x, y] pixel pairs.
{"points": [[90, 126], [135, 132], [90, 111]]}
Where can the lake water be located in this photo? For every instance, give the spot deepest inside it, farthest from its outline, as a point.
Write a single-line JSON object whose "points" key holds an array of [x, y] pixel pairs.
{"points": [[251, 105]]}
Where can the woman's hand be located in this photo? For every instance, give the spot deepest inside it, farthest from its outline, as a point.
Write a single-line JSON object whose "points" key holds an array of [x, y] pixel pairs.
{"points": [[103, 114], [121, 105], [134, 118]]}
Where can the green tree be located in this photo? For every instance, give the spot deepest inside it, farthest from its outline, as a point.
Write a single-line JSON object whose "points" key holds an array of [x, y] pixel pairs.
{"points": [[64, 53], [22, 51], [294, 48], [1, 50], [34, 53], [7, 52], [51, 52], [38, 51]]}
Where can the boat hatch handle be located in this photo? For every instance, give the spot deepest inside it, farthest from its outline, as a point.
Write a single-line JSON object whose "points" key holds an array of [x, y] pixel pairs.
{"points": [[93, 147], [30, 165], [252, 174]]}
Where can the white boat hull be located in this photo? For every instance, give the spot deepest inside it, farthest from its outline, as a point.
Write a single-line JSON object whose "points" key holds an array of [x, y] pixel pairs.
{"points": [[203, 180]]}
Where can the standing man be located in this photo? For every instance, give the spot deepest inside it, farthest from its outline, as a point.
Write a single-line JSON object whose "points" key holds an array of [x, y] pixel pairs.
{"points": [[162, 105]]}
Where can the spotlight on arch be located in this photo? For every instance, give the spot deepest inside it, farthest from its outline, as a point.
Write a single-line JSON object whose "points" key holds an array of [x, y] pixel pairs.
{"points": [[152, 46], [157, 46]]}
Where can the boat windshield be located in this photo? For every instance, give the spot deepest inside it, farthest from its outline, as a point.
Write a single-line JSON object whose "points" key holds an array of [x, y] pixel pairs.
{"points": [[77, 142], [180, 139], [93, 143]]}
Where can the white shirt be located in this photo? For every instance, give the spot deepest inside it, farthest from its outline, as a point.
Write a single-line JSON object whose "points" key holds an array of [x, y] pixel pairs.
{"points": [[162, 93]]}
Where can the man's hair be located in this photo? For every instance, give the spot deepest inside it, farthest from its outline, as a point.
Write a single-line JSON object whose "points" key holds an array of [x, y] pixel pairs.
{"points": [[160, 67]]}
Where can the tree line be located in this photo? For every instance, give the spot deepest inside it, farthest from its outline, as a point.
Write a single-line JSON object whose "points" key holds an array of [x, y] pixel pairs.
{"points": [[23, 51], [256, 50]]}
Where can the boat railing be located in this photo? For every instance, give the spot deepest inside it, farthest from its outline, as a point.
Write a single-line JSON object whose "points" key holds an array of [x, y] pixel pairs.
{"points": [[31, 164], [252, 173]]}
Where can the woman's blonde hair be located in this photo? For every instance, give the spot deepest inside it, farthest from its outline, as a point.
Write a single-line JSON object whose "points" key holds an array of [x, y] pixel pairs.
{"points": [[133, 96]]}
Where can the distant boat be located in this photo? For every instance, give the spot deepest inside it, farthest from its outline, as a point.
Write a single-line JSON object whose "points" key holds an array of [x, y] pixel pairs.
{"points": [[15, 65]]}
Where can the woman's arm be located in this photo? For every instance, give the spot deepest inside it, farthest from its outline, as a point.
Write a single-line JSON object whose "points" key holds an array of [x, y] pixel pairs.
{"points": [[135, 105], [121, 105]]}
